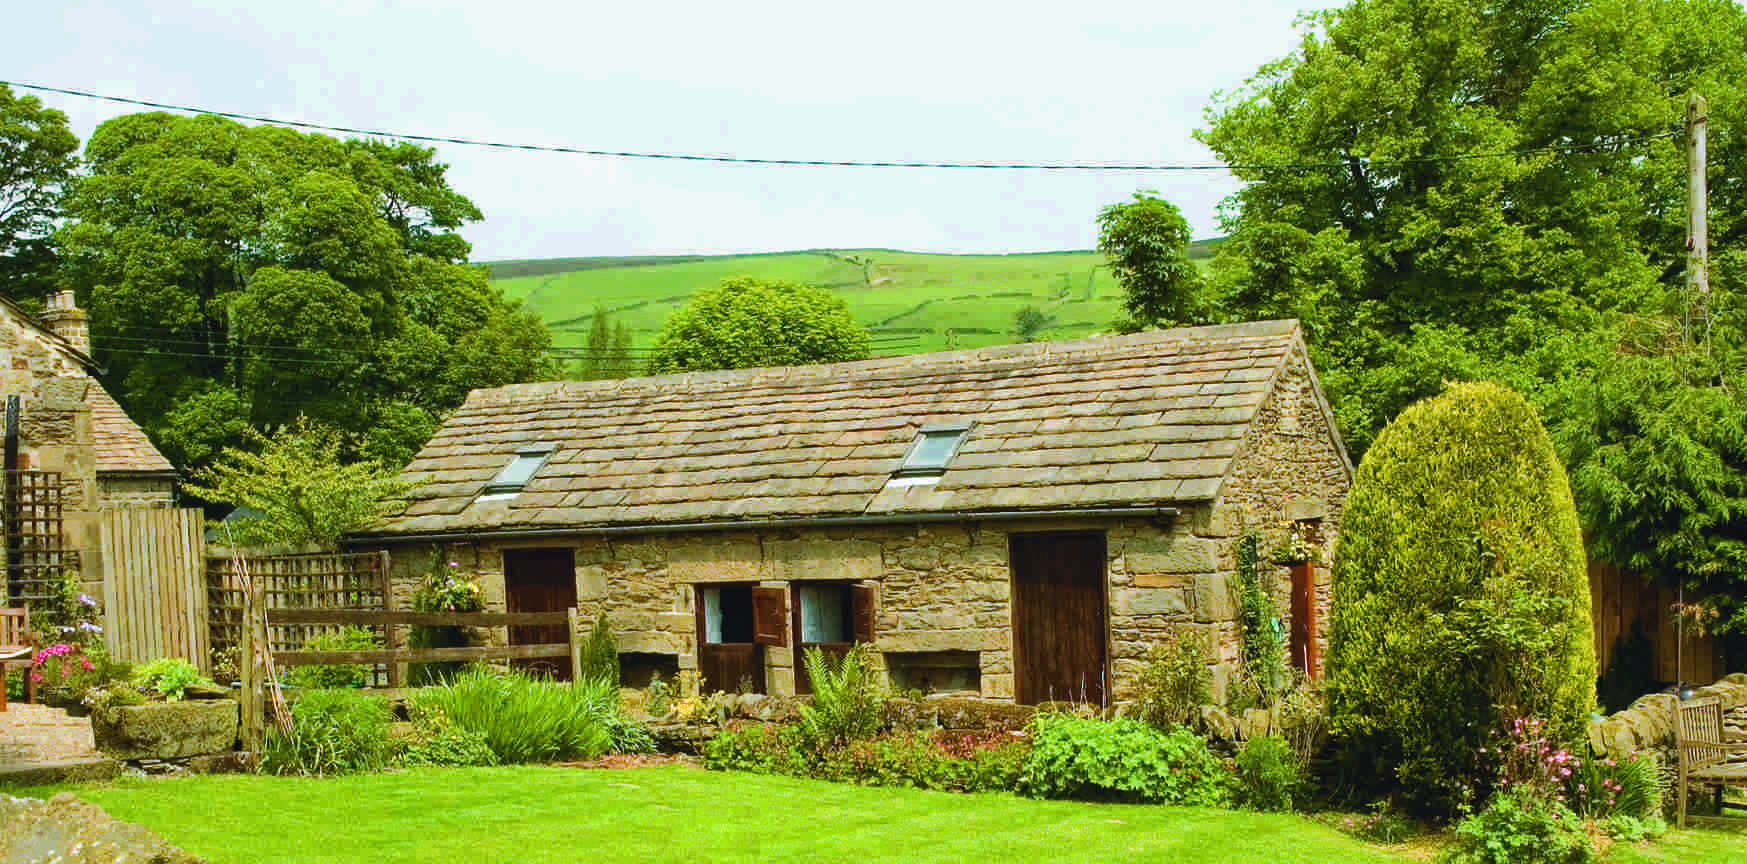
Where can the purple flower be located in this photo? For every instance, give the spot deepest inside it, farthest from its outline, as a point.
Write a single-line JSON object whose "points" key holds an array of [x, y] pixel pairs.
{"points": [[87, 599]]}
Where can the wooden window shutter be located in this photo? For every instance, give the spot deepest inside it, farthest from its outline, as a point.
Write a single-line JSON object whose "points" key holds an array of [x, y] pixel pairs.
{"points": [[770, 616], [861, 613]]}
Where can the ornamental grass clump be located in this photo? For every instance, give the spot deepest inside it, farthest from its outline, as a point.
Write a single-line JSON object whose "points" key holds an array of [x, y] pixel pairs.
{"points": [[1460, 599], [332, 732], [526, 719]]}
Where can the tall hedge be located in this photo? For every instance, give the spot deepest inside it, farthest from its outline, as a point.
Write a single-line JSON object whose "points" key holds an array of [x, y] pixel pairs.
{"points": [[1460, 596]]}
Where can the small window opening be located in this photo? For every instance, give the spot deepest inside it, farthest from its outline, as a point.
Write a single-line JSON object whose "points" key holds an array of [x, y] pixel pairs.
{"points": [[933, 450], [516, 474]]}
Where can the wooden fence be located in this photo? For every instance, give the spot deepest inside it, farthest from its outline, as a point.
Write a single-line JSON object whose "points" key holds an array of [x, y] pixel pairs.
{"points": [[153, 593], [1621, 598], [258, 620], [317, 581]]}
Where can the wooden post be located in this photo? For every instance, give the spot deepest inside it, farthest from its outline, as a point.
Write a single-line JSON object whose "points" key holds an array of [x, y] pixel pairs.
{"points": [[575, 617], [252, 667]]}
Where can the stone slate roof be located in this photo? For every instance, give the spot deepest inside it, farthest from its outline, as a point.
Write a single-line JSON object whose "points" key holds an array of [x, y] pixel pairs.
{"points": [[1152, 418], [122, 446]]}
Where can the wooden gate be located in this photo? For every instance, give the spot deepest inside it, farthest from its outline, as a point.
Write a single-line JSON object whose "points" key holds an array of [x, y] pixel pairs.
{"points": [[154, 586], [1059, 618]]}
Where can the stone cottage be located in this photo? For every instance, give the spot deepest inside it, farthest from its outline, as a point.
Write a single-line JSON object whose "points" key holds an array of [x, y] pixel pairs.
{"points": [[75, 453], [1022, 522]]}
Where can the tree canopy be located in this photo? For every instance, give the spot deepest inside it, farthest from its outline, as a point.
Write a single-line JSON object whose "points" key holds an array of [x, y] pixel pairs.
{"points": [[38, 154], [748, 322], [239, 277], [1147, 243], [1453, 189], [296, 489]]}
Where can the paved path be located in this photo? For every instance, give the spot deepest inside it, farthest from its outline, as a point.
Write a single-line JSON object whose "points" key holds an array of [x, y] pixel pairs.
{"points": [[34, 734]]}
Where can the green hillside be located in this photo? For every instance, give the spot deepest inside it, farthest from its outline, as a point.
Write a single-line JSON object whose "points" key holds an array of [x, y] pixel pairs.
{"points": [[911, 301]]}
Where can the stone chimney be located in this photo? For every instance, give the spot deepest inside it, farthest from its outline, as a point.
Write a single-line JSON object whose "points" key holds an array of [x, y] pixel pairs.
{"points": [[68, 321]]}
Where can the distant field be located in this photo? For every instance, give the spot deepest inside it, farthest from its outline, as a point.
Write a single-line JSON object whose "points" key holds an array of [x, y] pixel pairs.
{"points": [[911, 301]]}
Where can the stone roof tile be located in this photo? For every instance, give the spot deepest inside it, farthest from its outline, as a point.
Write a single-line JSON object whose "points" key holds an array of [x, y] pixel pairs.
{"points": [[1131, 420]]}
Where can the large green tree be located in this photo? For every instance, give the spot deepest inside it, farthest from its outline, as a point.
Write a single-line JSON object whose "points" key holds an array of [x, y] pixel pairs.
{"points": [[1146, 241], [1450, 189], [755, 322], [240, 277], [38, 154]]}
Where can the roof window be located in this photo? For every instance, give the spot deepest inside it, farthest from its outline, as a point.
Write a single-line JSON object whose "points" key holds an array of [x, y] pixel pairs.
{"points": [[516, 474], [933, 449]]}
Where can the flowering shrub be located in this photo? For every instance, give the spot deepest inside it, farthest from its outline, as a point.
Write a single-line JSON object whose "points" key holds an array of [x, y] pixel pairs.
{"points": [[63, 667], [445, 591], [1529, 761]]}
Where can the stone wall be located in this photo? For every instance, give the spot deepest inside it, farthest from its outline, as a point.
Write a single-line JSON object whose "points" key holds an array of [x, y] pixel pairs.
{"points": [[55, 429], [944, 589], [1649, 723]]}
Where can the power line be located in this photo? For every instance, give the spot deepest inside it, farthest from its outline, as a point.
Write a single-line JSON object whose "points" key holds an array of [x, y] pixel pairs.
{"points": [[838, 163]]}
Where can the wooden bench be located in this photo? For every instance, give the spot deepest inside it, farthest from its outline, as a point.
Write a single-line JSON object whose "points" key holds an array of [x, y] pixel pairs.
{"points": [[1703, 754], [15, 651]]}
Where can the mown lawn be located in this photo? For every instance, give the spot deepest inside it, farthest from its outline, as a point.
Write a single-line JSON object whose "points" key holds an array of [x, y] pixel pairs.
{"points": [[535, 814]]}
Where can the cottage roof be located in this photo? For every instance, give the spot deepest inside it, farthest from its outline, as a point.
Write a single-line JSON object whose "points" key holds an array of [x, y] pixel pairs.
{"points": [[1150, 418], [122, 446]]}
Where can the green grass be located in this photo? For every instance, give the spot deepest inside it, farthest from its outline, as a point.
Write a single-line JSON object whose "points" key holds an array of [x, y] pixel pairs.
{"points": [[537, 814], [911, 301]]}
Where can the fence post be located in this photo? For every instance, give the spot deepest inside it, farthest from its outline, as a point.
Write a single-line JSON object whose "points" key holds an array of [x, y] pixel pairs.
{"points": [[252, 665], [574, 615]]}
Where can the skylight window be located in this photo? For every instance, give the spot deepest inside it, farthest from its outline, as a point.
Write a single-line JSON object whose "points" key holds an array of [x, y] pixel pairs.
{"points": [[516, 474], [933, 450]]}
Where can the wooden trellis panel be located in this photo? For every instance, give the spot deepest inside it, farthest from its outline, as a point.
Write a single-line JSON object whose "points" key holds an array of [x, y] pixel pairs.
{"points": [[355, 581], [36, 551]]}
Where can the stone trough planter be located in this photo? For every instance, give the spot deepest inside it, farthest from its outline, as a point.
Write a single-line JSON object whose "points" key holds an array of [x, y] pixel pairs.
{"points": [[166, 730]]}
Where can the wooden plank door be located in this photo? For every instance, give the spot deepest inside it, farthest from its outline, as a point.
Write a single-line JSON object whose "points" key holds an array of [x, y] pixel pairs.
{"points": [[732, 635], [1059, 618], [1306, 653], [541, 580]]}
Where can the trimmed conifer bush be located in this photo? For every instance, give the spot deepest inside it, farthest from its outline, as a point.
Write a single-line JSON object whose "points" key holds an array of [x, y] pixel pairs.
{"points": [[1460, 597]]}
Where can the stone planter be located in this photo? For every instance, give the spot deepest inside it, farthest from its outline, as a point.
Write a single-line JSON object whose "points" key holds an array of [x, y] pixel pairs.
{"points": [[166, 730]]}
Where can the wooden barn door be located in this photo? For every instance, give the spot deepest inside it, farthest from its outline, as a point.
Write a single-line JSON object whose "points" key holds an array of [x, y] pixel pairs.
{"points": [[541, 580], [1059, 618], [735, 624]]}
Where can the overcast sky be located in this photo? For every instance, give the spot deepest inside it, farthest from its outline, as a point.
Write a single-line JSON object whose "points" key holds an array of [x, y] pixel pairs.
{"points": [[1085, 81]]}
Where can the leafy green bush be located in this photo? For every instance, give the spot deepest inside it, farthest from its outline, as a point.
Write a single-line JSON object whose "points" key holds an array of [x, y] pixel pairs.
{"points": [[1460, 596], [1267, 773], [332, 732], [169, 677], [600, 653], [986, 762], [1519, 827], [1175, 681], [436, 742], [1122, 760], [524, 719], [846, 697], [351, 638]]}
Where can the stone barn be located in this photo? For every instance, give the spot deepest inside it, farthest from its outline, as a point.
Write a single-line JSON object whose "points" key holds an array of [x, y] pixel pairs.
{"points": [[1021, 522]]}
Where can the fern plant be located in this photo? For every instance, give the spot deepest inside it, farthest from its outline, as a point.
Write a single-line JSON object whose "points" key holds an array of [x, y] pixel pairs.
{"points": [[846, 698]]}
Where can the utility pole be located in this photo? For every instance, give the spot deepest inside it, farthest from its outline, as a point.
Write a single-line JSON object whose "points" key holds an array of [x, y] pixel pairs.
{"points": [[1698, 253]]}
